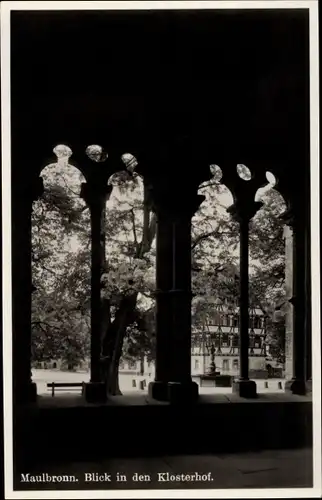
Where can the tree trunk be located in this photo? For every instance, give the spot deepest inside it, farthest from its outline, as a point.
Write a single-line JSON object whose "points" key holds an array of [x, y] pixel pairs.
{"points": [[113, 342], [113, 386]]}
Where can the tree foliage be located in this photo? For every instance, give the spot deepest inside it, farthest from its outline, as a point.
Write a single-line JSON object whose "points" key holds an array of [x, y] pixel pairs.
{"points": [[61, 265]]}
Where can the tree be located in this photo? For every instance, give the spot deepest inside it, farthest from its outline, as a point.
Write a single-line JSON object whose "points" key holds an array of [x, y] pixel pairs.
{"points": [[139, 341], [60, 312], [129, 276], [276, 340], [217, 273], [61, 260]]}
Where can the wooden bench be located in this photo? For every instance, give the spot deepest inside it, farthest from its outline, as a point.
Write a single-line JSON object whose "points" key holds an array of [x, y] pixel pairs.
{"points": [[63, 386]]}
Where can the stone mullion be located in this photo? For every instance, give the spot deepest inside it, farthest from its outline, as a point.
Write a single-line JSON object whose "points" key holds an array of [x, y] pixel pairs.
{"points": [[159, 388], [24, 390], [243, 211], [95, 194]]}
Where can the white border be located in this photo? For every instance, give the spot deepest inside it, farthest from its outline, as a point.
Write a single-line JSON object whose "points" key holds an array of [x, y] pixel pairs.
{"points": [[312, 5]]}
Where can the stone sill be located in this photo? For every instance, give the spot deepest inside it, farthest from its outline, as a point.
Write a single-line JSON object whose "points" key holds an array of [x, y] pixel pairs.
{"points": [[68, 428], [69, 401]]}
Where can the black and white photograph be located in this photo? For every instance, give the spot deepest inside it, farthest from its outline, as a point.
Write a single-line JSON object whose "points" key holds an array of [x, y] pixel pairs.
{"points": [[161, 249]]}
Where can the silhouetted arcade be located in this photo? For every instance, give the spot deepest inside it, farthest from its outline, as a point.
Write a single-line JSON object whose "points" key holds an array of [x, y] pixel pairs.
{"points": [[179, 90]]}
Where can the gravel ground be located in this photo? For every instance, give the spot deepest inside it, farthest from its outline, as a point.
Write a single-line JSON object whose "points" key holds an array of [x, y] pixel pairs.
{"points": [[42, 377]]}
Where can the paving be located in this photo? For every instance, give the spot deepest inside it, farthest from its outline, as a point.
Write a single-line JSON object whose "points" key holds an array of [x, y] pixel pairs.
{"points": [[42, 377]]}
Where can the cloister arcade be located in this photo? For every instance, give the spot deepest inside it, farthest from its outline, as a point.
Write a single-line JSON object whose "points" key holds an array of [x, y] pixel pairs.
{"points": [[195, 102]]}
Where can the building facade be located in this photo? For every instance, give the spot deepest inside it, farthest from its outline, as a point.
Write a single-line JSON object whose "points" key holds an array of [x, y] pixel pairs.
{"points": [[215, 342]]}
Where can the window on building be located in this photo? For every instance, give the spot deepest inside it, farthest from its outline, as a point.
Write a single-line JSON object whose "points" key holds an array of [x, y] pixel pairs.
{"points": [[258, 341], [235, 321], [217, 339], [224, 340], [197, 364], [235, 341], [235, 364], [257, 322], [225, 365]]}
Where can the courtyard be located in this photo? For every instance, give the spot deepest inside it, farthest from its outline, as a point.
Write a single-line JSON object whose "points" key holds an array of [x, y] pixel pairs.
{"points": [[43, 377]]}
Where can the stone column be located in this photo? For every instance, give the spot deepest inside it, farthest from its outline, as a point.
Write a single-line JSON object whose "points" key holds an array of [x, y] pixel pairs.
{"points": [[297, 385], [181, 387], [24, 390], [173, 296], [164, 270], [288, 307], [243, 213], [95, 193]]}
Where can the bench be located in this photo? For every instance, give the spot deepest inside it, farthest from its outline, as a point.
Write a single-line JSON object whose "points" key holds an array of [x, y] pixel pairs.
{"points": [[63, 386]]}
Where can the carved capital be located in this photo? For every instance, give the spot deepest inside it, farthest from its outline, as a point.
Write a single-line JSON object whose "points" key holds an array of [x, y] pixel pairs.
{"points": [[244, 211], [175, 203], [95, 193]]}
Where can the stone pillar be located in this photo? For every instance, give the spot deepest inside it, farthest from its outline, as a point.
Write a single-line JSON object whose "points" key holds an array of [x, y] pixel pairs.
{"points": [[24, 390], [288, 307], [181, 386], [164, 270], [173, 296], [243, 212], [95, 193], [297, 384]]}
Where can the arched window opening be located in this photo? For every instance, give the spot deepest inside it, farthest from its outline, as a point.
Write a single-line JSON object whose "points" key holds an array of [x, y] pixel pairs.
{"points": [[244, 172], [216, 172], [60, 271], [96, 153], [268, 270], [129, 161], [214, 269], [63, 153], [215, 259], [130, 232]]}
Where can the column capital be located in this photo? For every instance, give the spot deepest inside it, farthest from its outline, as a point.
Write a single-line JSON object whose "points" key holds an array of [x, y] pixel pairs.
{"points": [[94, 192], [244, 211], [174, 203]]}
